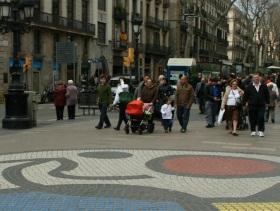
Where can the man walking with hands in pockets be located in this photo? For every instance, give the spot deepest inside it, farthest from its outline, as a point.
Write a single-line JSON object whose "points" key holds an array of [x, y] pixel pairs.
{"points": [[184, 100], [256, 98]]}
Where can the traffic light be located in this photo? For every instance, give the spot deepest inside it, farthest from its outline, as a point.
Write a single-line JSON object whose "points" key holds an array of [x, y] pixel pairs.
{"points": [[126, 61], [131, 55], [27, 64]]}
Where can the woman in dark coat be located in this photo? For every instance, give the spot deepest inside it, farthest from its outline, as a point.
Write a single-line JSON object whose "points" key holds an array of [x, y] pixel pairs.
{"points": [[59, 99], [164, 91]]}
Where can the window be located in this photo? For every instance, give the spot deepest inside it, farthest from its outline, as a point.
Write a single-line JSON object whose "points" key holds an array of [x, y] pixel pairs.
{"points": [[101, 32], [37, 42], [55, 40], [147, 10], [70, 9], [85, 13], [55, 7], [102, 5], [134, 6], [156, 15], [156, 39], [55, 10], [5, 78]]}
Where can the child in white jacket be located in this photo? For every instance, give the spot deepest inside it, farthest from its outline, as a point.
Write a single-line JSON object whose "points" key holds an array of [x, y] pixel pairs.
{"points": [[167, 115]]}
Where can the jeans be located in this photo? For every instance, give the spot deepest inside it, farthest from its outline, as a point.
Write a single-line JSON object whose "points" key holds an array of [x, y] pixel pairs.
{"points": [[71, 111], [59, 112], [256, 118], [201, 103], [211, 109], [183, 115], [122, 115], [103, 115], [167, 124], [270, 112]]}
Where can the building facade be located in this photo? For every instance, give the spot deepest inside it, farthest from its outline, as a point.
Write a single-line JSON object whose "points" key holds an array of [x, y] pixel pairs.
{"points": [[153, 38], [195, 32], [238, 39], [85, 23]]}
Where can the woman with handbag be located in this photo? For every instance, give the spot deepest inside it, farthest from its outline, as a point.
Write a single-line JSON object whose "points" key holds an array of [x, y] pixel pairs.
{"points": [[232, 103]]}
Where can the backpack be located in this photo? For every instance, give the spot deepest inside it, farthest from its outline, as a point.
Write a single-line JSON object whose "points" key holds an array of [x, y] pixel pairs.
{"points": [[125, 97]]}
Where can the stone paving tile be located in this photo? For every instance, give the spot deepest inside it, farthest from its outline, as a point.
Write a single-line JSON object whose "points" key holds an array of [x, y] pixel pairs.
{"points": [[134, 180]]}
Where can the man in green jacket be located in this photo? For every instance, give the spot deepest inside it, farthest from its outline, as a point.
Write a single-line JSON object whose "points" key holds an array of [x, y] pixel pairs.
{"points": [[104, 97]]}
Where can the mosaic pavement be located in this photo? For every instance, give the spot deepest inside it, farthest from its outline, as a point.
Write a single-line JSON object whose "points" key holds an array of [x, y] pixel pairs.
{"points": [[139, 180]]}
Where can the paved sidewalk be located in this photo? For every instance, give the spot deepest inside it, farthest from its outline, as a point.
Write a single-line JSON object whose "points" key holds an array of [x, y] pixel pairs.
{"points": [[70, 165]]}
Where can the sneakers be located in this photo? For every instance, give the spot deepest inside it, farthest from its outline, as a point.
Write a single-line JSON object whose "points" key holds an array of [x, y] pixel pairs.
{"points": [[209, 126], [183, 130], [261, 134], [253, 133]]}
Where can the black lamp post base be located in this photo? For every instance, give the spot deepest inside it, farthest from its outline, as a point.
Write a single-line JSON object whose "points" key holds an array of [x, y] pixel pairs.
{"points": [[16, 111], [17, 123]]}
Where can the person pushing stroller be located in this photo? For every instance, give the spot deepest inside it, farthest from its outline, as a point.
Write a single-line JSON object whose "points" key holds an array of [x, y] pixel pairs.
{"points": [[149, 94]]}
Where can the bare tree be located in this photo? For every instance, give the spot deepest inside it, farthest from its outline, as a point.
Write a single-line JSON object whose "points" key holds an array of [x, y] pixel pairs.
{"points": [[221, 17], [254, 12]]}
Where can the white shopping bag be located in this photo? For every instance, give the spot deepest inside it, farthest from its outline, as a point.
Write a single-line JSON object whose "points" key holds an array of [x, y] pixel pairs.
{"points": [[220, 117]]}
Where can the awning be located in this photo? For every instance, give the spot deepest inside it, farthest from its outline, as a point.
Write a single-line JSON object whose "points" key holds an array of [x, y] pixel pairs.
{"points": [[273, 67], [181, 62], [227, 62]]}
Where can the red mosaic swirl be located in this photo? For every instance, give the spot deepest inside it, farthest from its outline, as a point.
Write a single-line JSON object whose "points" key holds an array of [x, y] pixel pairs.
{"points": [[216, 166]]}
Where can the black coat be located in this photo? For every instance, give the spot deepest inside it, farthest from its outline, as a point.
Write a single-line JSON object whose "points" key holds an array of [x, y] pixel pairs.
{"points": [[254, 98]]}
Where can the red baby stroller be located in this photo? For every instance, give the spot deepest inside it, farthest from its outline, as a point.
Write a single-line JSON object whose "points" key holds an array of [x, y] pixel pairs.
{"points": [[140, 117]]}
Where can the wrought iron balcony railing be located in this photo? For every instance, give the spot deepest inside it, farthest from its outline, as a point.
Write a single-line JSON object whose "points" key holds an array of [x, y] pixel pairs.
{"points": [[120, 13], [157, 49], [62, 23], [119, 45], [166, 3], [153, 22]]}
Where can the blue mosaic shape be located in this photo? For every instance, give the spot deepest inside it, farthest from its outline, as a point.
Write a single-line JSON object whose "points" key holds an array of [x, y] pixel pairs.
{"points": [[46, 201]]}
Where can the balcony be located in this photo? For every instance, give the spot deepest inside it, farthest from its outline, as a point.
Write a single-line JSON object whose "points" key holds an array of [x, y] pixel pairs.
{"points": [[184, 26], [153, 22], [220, 56], [197, 31], [136, 17], [204, 34], [65, 24], [165, 25], [166, 3], [120, 13], [119, 45], [203, 52], [157, 49], [223, 41], [158, 2]]}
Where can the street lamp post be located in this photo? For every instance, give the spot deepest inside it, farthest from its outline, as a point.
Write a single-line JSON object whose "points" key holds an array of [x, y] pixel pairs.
{"points": [[15, 17], [137, 22]]}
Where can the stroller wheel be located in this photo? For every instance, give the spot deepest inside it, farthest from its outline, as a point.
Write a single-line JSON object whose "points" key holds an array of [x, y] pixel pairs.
{"points": [[126, 129], [133, 130]]}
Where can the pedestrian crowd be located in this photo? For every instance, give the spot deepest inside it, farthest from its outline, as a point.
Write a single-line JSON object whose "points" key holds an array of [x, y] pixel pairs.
{"points": [[220, 99]]}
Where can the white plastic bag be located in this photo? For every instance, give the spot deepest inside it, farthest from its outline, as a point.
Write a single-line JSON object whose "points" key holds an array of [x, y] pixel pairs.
{"points": [[221, 115]]}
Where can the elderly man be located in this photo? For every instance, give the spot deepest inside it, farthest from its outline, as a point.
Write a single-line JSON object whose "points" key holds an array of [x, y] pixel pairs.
{"points": [[184, 100], [256, 98]]}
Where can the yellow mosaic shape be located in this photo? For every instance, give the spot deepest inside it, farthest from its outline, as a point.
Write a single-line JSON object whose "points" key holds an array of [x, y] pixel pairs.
{"points": [[250, 206]]}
